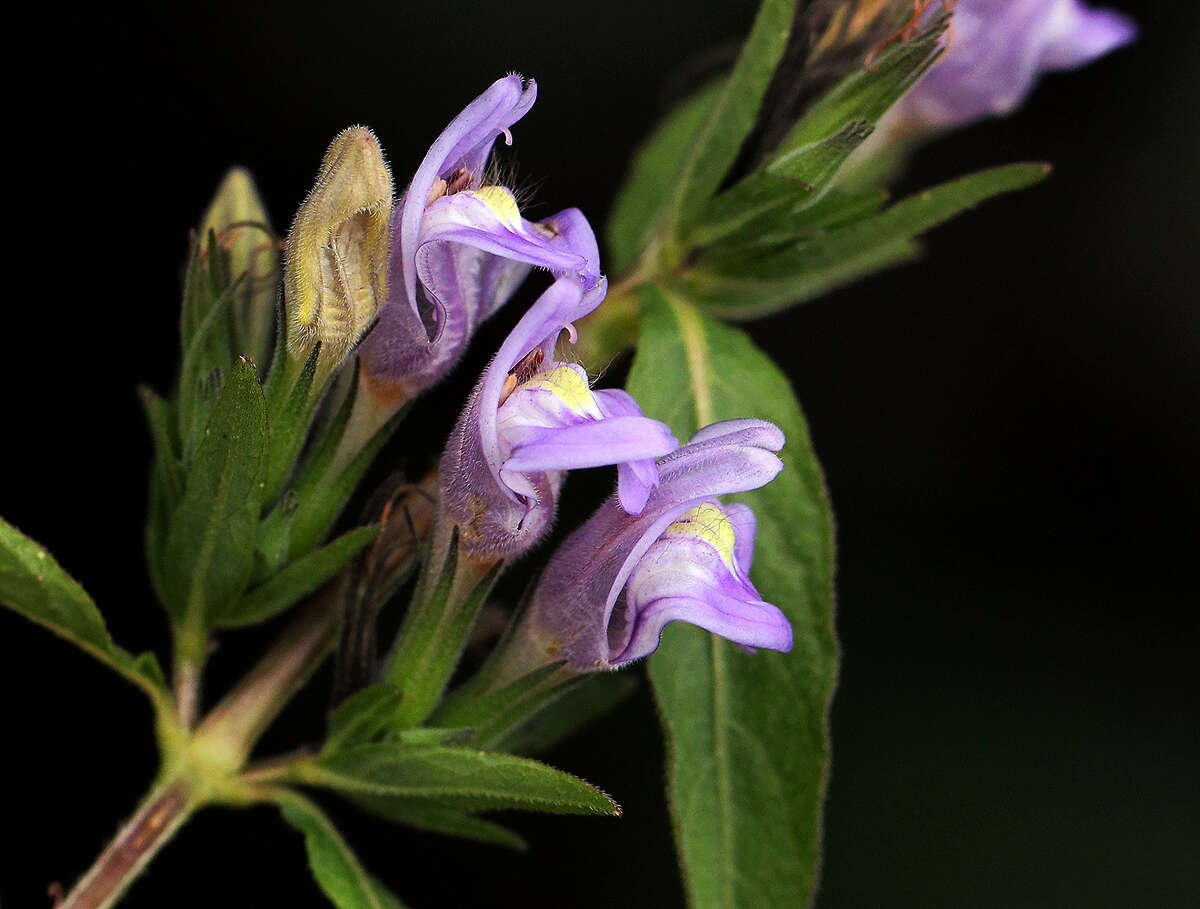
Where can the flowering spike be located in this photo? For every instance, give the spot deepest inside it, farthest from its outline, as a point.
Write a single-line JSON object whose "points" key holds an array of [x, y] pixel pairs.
{"points": [[337, 248], [460, 247], [532, 417], [609, 590]]}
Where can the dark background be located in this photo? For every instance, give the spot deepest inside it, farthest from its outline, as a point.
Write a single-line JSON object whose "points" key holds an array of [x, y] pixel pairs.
{"points": [[1010, 432]]}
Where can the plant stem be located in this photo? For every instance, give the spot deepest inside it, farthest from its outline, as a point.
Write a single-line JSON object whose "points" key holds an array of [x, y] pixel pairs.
{"points": [[161, 813], [188, 673], [235, 724]]}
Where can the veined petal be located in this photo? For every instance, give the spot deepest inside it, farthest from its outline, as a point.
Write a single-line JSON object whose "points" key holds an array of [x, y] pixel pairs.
{"points": [[467, 218], [745, 529], [595, 443]]}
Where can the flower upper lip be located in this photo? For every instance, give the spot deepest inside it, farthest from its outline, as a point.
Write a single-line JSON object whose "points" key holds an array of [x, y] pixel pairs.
{"points": [[465, 142]]}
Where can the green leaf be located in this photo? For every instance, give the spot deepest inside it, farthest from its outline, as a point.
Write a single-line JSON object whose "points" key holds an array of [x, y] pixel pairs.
{"points": [[289, 418], [211, 541], [166, 483], [361, 716], [301, 578], [334, 866], [493, 714], [462, 777], [737, 285], [642, 199], [34, 585], [435, 816], [577, 706], [730, 118], [434, 634], [803, 166], [797, 183], [748, 733], [320, 490], [864, 94]]}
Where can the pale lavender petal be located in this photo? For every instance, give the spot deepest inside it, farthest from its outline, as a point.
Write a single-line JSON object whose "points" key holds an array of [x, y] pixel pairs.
{"points": [[558, 305], [464, 218], [996, 51], [745, 529], [635, 479], [592, 444], [1083, 35], [576, 235], [466, 142]]}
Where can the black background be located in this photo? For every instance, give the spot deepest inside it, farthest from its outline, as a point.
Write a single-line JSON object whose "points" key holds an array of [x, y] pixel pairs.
{"points": [[1009, 427]]}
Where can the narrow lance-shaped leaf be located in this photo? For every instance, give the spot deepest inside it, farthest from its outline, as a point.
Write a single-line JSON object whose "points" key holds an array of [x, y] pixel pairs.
{"points": [[642, 199], [731, 116], [593, 697], [298, 580], [34, 585], [810, 171], [437, 817], [863, 95], [800, 170], [748, 733], [361, 716], [462, 777], [334, 865], [210, 545], [738, 285]]}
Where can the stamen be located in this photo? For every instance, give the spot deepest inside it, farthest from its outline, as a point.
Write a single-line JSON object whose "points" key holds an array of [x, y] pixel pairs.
{"points": [[459, 180], [529, 365], [522, 372], [510, 385], [436, 191]]}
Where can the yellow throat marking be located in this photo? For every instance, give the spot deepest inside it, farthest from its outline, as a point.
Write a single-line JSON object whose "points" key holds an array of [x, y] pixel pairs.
{"points": [[567, 385], [501, 201], [707, 523]]}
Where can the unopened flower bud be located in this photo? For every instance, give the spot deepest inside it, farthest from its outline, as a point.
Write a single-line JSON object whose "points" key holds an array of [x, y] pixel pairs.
{"points": [[237, 220], [337, 249]]}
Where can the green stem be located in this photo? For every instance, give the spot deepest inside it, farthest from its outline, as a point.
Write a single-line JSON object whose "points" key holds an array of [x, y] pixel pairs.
{"points": [[160, 814], [236, 723], [191, 648]]}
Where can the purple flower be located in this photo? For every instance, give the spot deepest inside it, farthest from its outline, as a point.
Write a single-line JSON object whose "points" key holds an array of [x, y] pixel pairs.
{"points": [[459, 248], [532, 417], [609, 590], [996, 51]]}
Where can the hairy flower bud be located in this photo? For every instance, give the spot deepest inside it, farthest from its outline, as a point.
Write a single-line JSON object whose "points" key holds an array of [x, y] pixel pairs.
{"points": [[237, 219], [337, 250]]}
